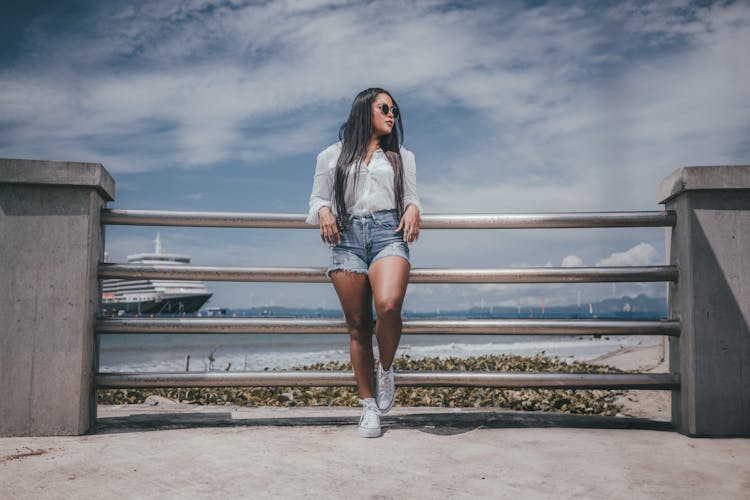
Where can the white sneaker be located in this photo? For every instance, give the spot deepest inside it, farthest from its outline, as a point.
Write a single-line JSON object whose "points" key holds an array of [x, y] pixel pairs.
{"points": [[369, 423], [385, 384]]}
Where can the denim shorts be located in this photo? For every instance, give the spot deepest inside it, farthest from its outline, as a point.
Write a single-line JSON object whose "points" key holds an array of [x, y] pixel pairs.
{"points": [[367, 239]]}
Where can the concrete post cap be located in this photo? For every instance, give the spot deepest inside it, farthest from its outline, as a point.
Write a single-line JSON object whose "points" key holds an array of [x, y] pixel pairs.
{"points": [[699, 178], [94, 175]]}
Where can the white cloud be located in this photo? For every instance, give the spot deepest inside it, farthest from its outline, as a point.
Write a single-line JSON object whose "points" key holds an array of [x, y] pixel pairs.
{"points": [[604, 137], [572, 261], [642, 254], [209, 75]]}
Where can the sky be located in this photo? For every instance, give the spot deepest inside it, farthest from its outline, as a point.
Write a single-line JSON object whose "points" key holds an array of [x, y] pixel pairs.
{"points": [[509, 107]]}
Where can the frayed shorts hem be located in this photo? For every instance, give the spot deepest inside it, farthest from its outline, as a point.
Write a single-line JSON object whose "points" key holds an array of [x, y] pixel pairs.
{"points": [[365, 271], [358, 271]]}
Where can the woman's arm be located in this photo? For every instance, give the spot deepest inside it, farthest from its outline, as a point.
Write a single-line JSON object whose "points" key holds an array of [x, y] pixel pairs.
{"points": [[412, 206], [410, 180], [320, 200], [322, 187]]}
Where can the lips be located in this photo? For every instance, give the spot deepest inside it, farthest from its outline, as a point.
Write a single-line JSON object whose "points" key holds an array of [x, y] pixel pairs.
{"points": [[389, 123]]}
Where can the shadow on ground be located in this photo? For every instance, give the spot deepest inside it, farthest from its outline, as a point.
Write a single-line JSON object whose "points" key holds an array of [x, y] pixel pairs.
{"points": [[439, 423]]}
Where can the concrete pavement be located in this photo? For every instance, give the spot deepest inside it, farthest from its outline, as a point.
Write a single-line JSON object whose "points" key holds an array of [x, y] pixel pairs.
{"points": [[180, 450]]}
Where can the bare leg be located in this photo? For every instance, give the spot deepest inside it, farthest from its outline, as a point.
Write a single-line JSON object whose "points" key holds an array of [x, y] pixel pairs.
{"points": [[355, 296], [388, 278]]}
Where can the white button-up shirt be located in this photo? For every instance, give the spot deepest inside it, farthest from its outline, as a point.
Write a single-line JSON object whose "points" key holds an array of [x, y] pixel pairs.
{"points": [[374, 189]]}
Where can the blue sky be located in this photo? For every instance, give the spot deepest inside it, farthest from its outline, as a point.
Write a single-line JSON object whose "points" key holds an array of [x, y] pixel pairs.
{"points": [[509, 107]]}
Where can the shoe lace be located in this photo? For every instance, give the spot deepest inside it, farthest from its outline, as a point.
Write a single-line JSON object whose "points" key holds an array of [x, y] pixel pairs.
{"points": [[383, 387], [371, 411]]}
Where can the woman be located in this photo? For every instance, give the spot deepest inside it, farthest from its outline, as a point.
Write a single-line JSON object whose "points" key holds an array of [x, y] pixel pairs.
{"points": [[365, 200]]}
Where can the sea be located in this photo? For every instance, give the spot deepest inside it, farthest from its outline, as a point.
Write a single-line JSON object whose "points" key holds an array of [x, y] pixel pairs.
{"points": [[197, 352]]}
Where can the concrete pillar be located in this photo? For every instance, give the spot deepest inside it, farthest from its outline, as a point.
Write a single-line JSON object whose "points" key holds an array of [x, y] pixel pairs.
{"points": [[710, 244], [51, 241]]}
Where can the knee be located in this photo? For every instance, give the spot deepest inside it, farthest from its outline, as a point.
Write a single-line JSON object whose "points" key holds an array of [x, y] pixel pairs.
{"points": [[389, 309]]}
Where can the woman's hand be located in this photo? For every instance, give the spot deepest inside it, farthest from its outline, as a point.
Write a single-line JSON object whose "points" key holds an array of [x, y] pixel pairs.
{"points": [[410, 224], [329, 230]]}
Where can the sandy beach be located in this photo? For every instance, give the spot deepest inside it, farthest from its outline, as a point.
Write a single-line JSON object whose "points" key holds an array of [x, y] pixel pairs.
{"points": [[647, 359]]}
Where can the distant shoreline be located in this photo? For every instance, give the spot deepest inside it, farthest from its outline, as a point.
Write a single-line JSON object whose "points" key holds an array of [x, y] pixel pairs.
{"points": [[640, 307]]}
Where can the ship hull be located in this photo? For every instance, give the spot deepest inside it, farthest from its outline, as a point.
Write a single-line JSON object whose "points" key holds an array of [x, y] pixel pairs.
{"points": [[170, 305]]}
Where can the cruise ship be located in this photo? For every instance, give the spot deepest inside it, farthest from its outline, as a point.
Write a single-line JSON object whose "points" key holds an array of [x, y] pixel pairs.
{"points": [[151, 297]]}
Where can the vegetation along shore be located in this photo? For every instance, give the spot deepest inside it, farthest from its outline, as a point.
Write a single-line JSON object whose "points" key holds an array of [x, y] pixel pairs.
{"points": [[594, 402]]}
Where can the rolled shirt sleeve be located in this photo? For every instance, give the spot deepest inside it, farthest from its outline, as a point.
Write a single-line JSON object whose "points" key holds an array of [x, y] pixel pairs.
{"points": [[322, 187], [410, 180]]}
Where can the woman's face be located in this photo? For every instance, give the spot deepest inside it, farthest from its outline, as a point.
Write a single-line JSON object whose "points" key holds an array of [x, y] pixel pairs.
{"points": [[382, 124]]}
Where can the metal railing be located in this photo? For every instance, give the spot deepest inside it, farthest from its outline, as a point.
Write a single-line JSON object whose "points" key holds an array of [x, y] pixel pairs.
{"points": [[435, 221], [412, 378], [411, 326], [424, 275]]}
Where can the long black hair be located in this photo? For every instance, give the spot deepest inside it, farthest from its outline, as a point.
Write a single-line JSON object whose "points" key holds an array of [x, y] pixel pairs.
{"points": [[354, 136]]}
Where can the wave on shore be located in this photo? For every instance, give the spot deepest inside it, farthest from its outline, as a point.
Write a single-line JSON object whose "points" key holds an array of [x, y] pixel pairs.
{"points": [[249, 356]]}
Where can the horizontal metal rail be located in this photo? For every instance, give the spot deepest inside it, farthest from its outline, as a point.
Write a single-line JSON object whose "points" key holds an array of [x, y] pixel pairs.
{"points": [[423, 275], [410, 326], [428, 221], [403, 378]]}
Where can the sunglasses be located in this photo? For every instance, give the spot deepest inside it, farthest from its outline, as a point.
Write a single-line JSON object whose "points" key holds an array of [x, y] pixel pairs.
{"points": [[385, 109]]}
